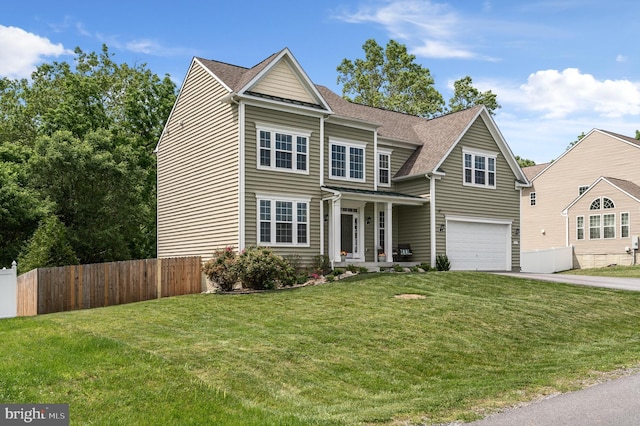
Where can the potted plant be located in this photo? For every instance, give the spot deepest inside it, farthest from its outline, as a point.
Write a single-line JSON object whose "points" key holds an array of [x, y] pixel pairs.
{"points": [[343, 255], [382, 257]]}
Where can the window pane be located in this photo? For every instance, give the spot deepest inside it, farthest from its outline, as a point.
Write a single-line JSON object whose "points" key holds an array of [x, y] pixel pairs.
{"points": [[492, 179], [356, 163], [384, 176], [265, 232], [467, 175], [283, 160], [302, 233], [595, 205], [594, 227], [532, 198], [492, 164], [284, 211], [383, 169], [609, 225], [338, 161], [480, 162], [265, 151], [480, 177], [284, 232], [607, 203], [301, 163], [265, 210], [624, 225], [467, 161]]}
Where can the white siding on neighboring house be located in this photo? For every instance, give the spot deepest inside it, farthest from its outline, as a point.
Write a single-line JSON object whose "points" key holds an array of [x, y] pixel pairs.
{"points": [[8, 292]]}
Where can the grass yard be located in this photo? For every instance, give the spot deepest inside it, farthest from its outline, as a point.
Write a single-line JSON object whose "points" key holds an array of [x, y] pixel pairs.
{"points": [[609, 271], [344, 353]]}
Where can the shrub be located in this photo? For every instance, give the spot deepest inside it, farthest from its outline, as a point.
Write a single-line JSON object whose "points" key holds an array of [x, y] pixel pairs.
{"points": [[352, 268], [222, 268], [363, 270], [321, 265], [425, 266], [442, 262], [49, 246], [338, 271], [398, 268], [260, 268]]}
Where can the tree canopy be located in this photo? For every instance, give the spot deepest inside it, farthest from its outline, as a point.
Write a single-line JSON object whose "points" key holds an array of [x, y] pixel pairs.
{"points": [[390, 78], [76, 143]]}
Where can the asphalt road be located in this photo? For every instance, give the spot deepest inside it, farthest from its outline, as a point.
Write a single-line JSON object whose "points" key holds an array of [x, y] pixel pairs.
{"points": [[616, 402]]}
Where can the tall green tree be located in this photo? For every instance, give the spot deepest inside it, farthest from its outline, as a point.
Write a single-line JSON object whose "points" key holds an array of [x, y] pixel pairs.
{"points": [[465, 96], [49, 246], [96, 187], [389, 78], [524, 162]]}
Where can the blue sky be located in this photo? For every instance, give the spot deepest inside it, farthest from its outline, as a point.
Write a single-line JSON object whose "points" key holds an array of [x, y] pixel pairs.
{"points": [[559, 67]]}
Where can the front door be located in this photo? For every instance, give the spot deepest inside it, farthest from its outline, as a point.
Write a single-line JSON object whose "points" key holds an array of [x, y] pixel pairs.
{"points": [[349, 229]]}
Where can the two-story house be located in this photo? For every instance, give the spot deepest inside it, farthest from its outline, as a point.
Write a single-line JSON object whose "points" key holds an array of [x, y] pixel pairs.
{"points": [[588, 198], [262, 156]]}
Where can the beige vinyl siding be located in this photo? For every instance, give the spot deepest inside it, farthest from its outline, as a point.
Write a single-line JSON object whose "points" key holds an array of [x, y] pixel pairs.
{"points": [[595, 156], [198, 172], [623, 204], [280, 182], [350, 134], [413, 221], [455, 199], [282, 82]]}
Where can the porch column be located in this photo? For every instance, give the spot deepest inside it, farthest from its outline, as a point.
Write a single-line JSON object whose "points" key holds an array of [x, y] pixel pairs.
{"points": [[335, 231], [388, 232]]}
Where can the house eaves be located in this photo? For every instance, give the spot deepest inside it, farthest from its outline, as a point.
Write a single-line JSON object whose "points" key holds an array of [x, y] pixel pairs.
{"points": [[628, 188]]}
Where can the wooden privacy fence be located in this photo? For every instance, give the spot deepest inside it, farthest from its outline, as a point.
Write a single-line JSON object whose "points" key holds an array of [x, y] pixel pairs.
{"points": [[67, 288]]}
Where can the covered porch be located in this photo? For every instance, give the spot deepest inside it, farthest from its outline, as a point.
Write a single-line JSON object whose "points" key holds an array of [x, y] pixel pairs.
{"points": [[358, 225]]}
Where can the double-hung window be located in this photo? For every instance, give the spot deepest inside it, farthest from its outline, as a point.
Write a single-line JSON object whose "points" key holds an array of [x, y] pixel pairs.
{"points": [[604, 226], [347, 161], [283, 221], [479, 169], [284, 150], [624, 225], [580, 228], [384, 168]]}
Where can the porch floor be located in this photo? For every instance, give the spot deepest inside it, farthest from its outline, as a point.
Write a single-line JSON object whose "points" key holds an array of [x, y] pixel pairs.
{"points": [[374, 266]]}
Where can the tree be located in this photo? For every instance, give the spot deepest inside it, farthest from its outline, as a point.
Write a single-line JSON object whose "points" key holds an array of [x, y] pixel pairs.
{"points": [[96, 186], [48, 247], [389, 78], [578, 139], [523, 162], [109, 117], [465, 96]]}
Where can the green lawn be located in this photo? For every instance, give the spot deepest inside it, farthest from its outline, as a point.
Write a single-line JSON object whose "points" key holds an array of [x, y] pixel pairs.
{"points": [[609, 271], [348, 352]]}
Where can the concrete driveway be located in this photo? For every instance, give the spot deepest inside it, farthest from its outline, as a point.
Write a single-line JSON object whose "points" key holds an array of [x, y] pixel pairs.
{"points": [[632, 284]]}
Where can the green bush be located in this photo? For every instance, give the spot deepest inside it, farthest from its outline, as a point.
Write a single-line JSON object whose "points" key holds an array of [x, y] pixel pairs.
{"points": [[321, 265], [425, 266], [222, 268], [398, 268], [352, 268], [442, 262], [260, 268], [49, 246], [338, 271], [363, 270]]}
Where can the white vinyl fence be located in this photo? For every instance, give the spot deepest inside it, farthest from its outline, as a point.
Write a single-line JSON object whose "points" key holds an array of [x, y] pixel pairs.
{"points": [[547, 261], [8, 292]]}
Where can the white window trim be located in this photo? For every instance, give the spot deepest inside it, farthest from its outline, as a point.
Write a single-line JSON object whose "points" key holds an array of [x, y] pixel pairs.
{"points": [[347, 145], [479, 153], [382, 152], [272, 198], [260, 127]]}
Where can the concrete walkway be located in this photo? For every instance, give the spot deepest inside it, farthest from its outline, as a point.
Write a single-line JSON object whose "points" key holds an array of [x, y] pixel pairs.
{"points": [[632, 284]]}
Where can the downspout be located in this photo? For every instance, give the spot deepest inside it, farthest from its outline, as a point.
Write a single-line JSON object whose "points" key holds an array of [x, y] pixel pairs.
{"points": [[321, 180], [241, 177]]}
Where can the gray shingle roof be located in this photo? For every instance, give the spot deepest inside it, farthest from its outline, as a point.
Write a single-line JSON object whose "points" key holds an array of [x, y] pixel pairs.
{"points": [[432, 137], [531, 171], [623, 137], [627, 186]]}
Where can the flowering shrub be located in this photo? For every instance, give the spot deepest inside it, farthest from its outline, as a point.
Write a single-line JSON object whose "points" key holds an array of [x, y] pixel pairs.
{"points": [[260, 268], [221, 268]]}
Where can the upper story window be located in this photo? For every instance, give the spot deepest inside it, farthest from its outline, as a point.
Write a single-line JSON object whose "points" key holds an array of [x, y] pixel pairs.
{"points": [[283, 221], [582, 189], [347, 161], [624, 225], [479, 169], [604, 202], [532, 199], [284, 150], [384, 168]]}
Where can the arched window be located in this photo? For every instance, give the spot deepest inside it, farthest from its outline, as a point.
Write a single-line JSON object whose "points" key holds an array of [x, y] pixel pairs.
{"points": [[595, 204], [608, 203]]}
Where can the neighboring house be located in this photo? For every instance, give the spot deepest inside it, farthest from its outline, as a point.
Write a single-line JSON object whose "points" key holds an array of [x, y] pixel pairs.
{"points": [[587, 198], [262, 156]]}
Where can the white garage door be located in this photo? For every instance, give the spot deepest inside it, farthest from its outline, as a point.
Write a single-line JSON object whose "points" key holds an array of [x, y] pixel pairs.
{"points": [[478, 246]]}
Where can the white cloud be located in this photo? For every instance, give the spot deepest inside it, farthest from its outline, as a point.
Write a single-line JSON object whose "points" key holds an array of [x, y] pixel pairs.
{"points": [[558, 94], [434, 28], [21, 52], [621, 58]]}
